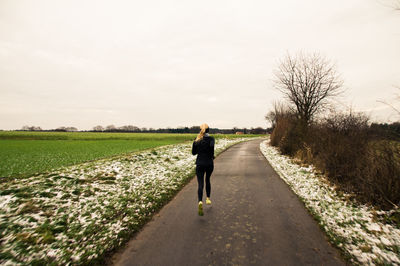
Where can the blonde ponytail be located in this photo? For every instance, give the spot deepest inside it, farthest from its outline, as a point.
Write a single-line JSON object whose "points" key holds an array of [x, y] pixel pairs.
{"points": [[203, 129]]}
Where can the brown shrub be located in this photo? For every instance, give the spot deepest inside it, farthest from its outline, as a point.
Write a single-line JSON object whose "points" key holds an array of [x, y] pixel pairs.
{"points": [[339, 145], [382, 171], [281, 118], [289, 133], [351, 155], [344, 147], [295, 137], [279, 132]]}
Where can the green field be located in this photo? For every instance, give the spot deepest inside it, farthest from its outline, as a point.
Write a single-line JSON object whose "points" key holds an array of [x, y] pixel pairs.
{"points": [[26, 153]]}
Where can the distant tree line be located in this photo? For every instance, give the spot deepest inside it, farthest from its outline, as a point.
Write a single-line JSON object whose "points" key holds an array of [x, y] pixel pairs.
{"points": [[61, 129], [131, 128], [389, 131], [31, 128], [192, 129]]}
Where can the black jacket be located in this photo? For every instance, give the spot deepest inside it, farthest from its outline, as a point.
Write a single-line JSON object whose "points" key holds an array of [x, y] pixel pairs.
{"points": [[205, 151]]}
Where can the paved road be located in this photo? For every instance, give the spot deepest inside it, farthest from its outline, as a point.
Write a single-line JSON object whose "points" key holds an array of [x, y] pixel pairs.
{"points": [[254, 220]]}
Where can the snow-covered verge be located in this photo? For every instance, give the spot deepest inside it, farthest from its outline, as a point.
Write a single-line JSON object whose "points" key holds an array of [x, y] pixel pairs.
{"points": [[350, 226], [77, 214]]}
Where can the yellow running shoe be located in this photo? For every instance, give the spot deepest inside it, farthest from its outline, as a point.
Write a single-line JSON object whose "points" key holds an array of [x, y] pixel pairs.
{"points": [[201, 208], [208, 201]]}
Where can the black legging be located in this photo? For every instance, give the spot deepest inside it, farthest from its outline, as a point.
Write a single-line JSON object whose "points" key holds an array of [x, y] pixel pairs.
{"points": [[200, 170]]}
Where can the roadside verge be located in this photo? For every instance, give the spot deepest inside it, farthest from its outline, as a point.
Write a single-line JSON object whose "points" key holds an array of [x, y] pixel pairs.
{"points": [[350, 226]]}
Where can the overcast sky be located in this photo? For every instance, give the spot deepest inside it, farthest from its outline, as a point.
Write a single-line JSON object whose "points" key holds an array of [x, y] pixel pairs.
{"points": [[182, 63]]}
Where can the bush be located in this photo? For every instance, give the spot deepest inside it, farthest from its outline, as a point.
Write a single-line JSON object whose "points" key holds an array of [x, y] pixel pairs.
{"points": [[280, 131], [339, 145], [381, 171], [295, 138], [351, 154], [289, 133]]}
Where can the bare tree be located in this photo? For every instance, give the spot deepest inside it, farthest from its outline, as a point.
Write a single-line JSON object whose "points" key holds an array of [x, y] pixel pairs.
{"points": [[31, 128], [61, 129], [308, 81], [398, 99], [98, 128], [129, 128], [396, 109], [279, 110], [71, 129], [395, 4], [110, 128]]}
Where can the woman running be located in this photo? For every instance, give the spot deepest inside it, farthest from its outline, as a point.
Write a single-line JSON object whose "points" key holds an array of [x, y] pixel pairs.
{"points": [[203, 146]]}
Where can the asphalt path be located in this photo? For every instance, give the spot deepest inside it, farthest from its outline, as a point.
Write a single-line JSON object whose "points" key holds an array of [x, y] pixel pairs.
{"points": [[254, 219]]}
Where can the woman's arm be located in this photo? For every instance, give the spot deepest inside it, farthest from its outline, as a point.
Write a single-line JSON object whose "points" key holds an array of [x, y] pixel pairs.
{"points": [[194, 148], [212, 144]]}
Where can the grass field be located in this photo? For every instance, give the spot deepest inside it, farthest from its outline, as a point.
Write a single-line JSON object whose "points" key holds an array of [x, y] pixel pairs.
{"points": [[26, 153], [77, 215]]}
